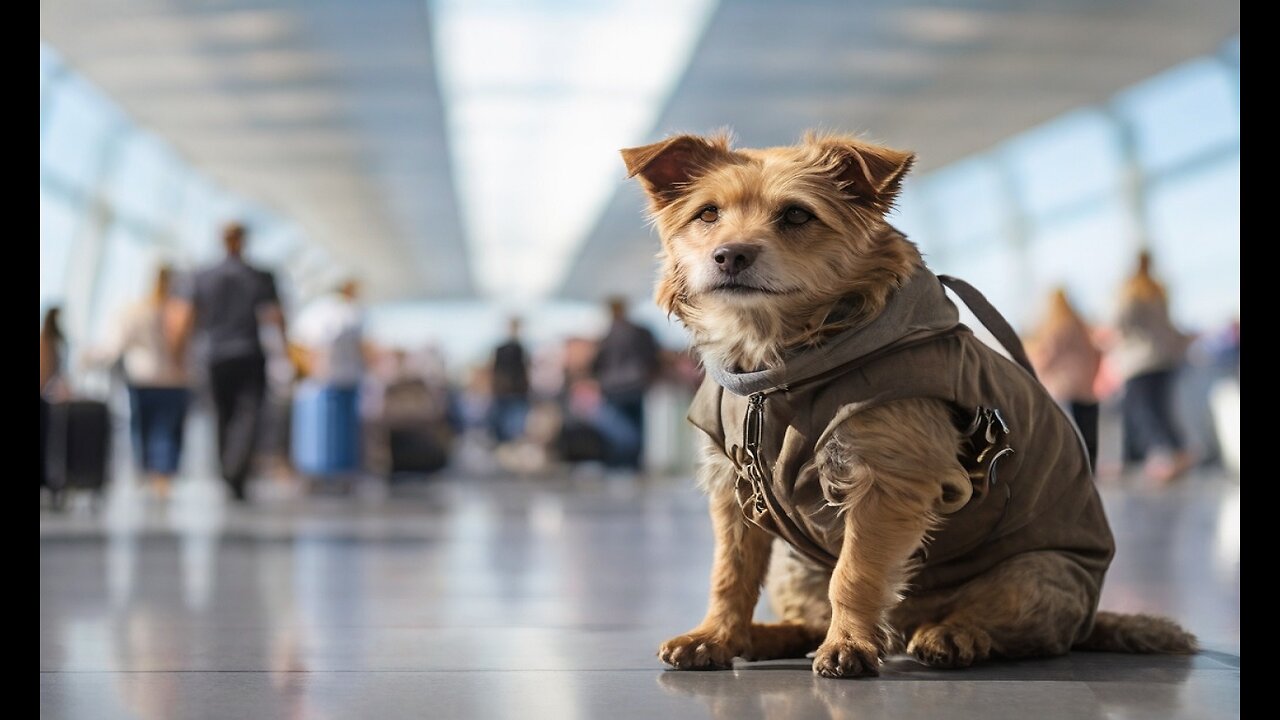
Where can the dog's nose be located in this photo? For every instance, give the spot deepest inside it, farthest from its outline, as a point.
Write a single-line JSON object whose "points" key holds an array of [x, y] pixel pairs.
{"points": [[735, 257]]}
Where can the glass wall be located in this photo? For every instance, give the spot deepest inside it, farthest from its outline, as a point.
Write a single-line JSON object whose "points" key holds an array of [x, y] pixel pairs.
{"points": [[115, 201], [1072, 201]]}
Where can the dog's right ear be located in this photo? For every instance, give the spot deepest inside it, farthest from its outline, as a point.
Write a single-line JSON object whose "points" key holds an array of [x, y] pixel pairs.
{"points": [[666, 168]]}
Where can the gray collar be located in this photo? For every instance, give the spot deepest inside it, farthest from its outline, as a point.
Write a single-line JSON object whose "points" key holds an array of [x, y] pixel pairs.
{"points": [[920, 307]]}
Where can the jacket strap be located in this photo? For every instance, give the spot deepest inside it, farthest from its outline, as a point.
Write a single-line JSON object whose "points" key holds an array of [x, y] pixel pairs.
{"points": [[991, 319]]}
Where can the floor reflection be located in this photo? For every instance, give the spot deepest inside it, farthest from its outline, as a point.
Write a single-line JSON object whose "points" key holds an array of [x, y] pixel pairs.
{"points": [[518, 599]]}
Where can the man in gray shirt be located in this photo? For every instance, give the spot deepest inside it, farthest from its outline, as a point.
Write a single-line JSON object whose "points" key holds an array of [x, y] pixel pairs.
{"points": [[225, 304]]}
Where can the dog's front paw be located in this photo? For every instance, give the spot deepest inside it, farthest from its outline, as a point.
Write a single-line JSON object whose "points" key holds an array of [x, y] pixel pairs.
{"points": [[700, 650], [950, 646], [847, 658]]}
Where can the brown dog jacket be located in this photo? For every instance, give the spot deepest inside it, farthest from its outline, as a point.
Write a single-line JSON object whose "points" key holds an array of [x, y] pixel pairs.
{"points": [[1031, 487]]}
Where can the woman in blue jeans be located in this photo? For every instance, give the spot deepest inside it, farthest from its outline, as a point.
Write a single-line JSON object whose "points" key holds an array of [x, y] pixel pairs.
{"points": [[157, 381]]}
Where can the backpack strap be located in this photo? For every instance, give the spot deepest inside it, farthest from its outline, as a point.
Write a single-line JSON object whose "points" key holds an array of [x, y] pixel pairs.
{"points": [[991, 319]]}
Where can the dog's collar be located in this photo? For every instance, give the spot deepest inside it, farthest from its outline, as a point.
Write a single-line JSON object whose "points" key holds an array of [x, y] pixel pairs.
{"points": [[919, 308]]}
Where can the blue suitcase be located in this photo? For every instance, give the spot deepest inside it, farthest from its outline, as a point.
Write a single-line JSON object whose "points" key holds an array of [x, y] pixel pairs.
{"points": [[325, 431]]}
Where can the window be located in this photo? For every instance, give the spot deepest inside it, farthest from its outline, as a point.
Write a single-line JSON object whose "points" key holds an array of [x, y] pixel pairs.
{"points": [[909, 216], [998, 275], [127, 268], [195, 226], [81, 124], [969, 206], [1071, 160], [154, 205], [57, 226], [1194, 220], [1067, 182], [1089, 252], [141, 183], [1182, 113]]}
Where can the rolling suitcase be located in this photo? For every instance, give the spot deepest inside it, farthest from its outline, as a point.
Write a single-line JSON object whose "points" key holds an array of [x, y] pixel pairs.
{"points": [[578, 441], [325, 431], [416, 450], [418, 435], [78, 447]]}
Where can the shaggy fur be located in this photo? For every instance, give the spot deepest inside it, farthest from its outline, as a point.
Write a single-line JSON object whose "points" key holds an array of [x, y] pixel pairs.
{"points": [[813, 215]]}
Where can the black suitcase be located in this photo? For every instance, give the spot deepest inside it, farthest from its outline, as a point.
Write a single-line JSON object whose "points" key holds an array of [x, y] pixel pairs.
{"points": [[580, 442], [78, 447], [418, 436], [44, 443], [416, 450]]}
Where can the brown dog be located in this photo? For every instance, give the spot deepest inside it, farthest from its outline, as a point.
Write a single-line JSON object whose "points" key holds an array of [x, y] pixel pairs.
{"points": [[849, 414]]}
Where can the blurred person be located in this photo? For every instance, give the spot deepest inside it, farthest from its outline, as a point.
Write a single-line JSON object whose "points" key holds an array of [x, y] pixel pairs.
{"points": [[591, 429], [330, 332], [53, 345], [474, 399], [224, 305], [1220, 349], [625, 365], [156, 378], [547, 371], [510, 387], [1147, 353], [52, 387], [1067, 361], [325, 427]]}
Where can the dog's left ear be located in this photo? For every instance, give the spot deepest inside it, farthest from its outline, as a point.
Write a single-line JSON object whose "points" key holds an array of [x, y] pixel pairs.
{"points": [[872, 172]]}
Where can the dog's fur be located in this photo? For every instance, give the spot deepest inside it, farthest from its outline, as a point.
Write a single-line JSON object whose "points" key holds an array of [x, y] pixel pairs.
{"points": [[703, 195]]}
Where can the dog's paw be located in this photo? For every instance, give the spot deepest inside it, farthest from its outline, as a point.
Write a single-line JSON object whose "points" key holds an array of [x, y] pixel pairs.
{"points": [[699, 650], [950, 646], [847, 658]]}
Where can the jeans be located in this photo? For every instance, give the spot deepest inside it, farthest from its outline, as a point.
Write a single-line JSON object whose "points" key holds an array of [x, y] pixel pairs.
{"points": [[507, 416], [156, 418], [1148, 415], [630, 408]]}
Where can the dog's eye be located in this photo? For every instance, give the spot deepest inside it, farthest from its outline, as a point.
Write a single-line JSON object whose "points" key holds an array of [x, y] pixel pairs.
{"points": [[797, 216], [709, 214]]}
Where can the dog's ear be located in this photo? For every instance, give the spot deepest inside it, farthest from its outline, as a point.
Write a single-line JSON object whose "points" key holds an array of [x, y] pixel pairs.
{"points": [[872, 172], [665, 168]]}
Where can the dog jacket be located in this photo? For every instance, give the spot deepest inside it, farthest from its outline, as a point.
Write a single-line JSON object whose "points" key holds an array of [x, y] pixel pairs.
{"points": [[1030, 488]]}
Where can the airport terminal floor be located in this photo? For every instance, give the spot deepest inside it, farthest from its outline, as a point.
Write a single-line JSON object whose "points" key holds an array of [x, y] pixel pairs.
{"points": [[497, 598]]}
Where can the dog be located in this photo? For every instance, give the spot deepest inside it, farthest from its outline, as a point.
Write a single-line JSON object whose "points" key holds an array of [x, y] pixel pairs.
{"points": [[893, 483]]}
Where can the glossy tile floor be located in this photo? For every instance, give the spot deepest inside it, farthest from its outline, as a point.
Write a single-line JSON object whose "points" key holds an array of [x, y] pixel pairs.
{"points": [[508, 598]]}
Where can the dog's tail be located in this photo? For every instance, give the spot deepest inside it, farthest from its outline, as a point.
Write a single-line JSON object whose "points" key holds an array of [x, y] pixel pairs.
{"points": [[1114, 632]]}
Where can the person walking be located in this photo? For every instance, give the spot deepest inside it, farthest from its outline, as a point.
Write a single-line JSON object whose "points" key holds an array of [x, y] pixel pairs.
{"points": [[1067, 361], [156, 378], [1147, 354], [625, 365], [510, 387], [326, 413], [52, 383], [223, 305]]}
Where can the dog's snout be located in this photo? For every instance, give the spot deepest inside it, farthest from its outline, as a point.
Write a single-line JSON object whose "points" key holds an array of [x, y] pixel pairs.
{"points": [[735, 257]]}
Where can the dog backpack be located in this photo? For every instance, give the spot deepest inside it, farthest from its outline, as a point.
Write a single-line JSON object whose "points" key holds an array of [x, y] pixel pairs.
{"points": [[1031, 487]]}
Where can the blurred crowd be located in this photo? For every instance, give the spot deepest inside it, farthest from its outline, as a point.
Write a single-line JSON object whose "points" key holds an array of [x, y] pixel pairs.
{"points": [[1163, 382], [313, 403]]}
